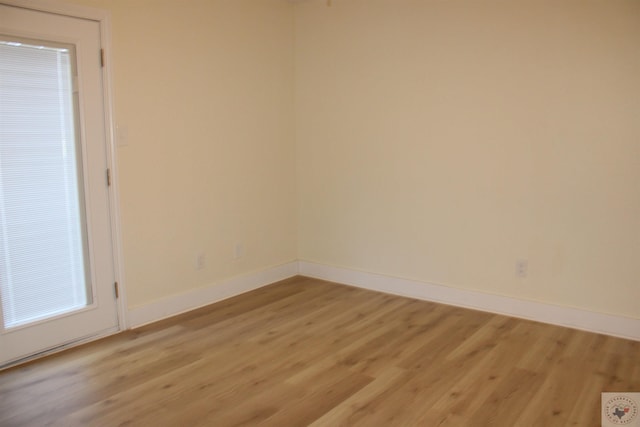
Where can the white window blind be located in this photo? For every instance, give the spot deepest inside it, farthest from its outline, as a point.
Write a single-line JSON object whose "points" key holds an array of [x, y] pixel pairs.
{"points": [[42, 227]]}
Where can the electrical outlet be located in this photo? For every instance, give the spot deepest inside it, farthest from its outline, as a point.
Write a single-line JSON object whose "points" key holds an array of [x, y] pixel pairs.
{"points": [[238, 251], [522, 267], [201, 261]]}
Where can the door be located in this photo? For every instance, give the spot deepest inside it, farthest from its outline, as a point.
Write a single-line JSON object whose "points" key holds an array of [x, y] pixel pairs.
{"points": [[56, 258]]}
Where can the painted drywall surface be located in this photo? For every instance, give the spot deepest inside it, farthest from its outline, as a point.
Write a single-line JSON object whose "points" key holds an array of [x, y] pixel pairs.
{"points": [[443, 141], [205, 91]]}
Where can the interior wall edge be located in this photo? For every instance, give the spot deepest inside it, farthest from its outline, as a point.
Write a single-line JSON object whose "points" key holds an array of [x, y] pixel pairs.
{"points": [[218, 291], [590, 321]]}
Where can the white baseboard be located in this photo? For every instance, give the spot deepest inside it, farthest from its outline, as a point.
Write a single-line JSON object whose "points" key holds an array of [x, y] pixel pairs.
{"points": [[608, 324], [623, 327], [219, 291]]}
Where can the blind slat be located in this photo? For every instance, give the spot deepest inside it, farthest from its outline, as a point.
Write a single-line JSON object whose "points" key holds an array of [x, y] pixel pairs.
{"points": [[42, 268]]}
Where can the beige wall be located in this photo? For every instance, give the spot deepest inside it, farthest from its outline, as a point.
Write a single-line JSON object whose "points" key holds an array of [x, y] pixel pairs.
{"points": [[205, 90], [434, 140], [443, 140]]}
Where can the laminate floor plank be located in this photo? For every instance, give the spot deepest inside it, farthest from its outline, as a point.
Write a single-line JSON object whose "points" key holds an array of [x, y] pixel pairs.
{"points": [[307, 352]]}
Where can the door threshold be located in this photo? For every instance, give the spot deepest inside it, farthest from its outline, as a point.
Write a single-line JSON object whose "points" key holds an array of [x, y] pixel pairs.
{"points": [[59, 348]]}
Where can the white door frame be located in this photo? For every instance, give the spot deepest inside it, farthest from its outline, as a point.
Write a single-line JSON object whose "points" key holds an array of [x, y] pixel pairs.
{"points": [[103, 17]]}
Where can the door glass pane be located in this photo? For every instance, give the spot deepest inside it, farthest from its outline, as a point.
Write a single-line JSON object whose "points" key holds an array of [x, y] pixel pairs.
{"points": [[42, 226]]}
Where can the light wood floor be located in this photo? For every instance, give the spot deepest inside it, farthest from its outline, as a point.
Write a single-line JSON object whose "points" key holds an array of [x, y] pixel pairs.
{"points": [[306, 352]]}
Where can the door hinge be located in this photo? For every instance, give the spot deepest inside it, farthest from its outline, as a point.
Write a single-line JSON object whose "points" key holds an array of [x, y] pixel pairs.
{"points": [[115, 288], [102, 58], [109, 177]]}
